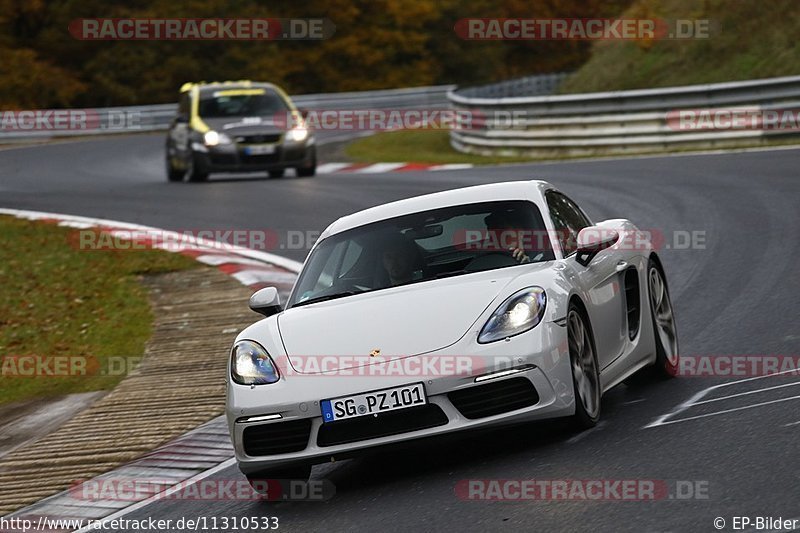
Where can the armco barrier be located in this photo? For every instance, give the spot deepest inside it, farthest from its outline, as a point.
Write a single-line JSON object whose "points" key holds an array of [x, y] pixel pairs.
{"points": [[619, 121]]}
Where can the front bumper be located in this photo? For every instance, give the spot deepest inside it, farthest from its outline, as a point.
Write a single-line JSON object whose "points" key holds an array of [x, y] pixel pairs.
{"points": [[234, 157], [541, 352]]}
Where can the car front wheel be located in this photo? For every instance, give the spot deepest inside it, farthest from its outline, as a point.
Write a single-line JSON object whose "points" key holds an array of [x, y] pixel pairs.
{"points": [[174, 174], [585, 372], [664, 330], [194, 172]]}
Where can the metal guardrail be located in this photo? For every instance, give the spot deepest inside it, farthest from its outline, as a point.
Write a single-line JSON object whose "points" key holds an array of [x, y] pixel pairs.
{"points": [[422, 97], [135, 119], [541, 84], [616, 122]]}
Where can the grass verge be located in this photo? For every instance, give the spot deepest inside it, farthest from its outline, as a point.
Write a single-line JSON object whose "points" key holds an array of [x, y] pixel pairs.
{"points": [[429, 146], [417, 146], [59, 301]]}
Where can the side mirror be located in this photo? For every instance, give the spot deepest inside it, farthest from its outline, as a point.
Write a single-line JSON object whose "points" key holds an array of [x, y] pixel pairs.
{"points": [[266, 301], [593, 240]]}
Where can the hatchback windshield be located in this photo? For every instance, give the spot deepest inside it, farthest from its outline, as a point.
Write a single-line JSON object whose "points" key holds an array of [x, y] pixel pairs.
{"points": [[424, 246], [241, 103]]}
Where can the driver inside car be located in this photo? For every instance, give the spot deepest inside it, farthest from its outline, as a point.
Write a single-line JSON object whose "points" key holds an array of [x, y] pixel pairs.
{"points": [[508, 228], [401, 260]]}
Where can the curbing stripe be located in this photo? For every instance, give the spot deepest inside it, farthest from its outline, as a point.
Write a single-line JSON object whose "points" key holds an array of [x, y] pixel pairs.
{"points": [[383, 168], [380, 168], [119, 228]]}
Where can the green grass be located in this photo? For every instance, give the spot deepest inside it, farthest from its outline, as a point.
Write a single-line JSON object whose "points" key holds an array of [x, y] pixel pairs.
{"points": [[56, 300], [428, 146], [417, 146], [749, 39]]}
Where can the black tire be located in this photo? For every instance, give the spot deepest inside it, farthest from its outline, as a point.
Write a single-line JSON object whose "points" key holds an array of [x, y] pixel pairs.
{"points": [[172, 173], [310, 169], [665, 332], [196, 176], [193, 171], [581, 352], [259, 481], [277, 173]]}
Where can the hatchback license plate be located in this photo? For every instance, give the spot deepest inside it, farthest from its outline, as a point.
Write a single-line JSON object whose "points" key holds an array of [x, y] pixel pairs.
{"points": [[259, 149]]}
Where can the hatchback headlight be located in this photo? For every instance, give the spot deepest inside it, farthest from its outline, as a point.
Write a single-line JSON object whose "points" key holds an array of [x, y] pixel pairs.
{"points": [[214, 138], [252, 365], [518, 314], [298, 134]]}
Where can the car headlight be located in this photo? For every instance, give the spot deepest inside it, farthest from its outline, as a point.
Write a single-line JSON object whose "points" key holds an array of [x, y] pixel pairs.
{"points": [[521, 312], [298, 134], [252, 365], [213, 138]]}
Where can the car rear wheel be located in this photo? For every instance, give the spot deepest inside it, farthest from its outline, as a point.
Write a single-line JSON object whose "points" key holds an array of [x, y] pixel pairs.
{"points": [[664, 330], [585, 372]]}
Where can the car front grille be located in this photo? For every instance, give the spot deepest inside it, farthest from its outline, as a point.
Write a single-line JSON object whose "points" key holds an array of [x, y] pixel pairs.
{"points": [[262, 159], [495, 398], [277, 438], [384, 425], [223, 159], [259, 139]]}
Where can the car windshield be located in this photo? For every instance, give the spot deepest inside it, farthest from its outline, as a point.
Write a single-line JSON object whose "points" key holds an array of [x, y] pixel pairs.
{"points": [[241, 103], [445, 242]]}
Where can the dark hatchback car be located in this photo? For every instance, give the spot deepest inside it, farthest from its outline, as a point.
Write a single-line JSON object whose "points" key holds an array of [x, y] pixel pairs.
{"points": [[239, 126]]}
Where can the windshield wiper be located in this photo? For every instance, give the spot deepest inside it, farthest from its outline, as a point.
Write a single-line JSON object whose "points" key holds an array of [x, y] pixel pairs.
{"points": [[325, 298]]}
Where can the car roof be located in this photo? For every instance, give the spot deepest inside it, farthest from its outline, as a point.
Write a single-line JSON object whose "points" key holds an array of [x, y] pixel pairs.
{"points": [[216, 85], [532, 190]]}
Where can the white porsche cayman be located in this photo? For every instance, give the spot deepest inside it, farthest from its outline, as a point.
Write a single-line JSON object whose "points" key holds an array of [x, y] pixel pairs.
{"points": [[463, 309]]}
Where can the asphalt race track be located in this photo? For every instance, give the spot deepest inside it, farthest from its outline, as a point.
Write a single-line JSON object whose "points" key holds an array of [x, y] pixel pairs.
{"points": [[739, 295]]}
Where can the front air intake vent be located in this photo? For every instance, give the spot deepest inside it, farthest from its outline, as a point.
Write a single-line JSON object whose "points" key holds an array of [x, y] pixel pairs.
{"points": [[277, 437], [494, 398]]}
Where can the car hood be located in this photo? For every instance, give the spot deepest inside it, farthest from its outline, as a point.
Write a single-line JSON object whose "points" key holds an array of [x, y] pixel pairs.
{"points": [[239, 126], [400, 322]]}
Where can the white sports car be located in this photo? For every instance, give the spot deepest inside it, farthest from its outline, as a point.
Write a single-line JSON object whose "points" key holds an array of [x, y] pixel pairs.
{"points": [[463, 309]]}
